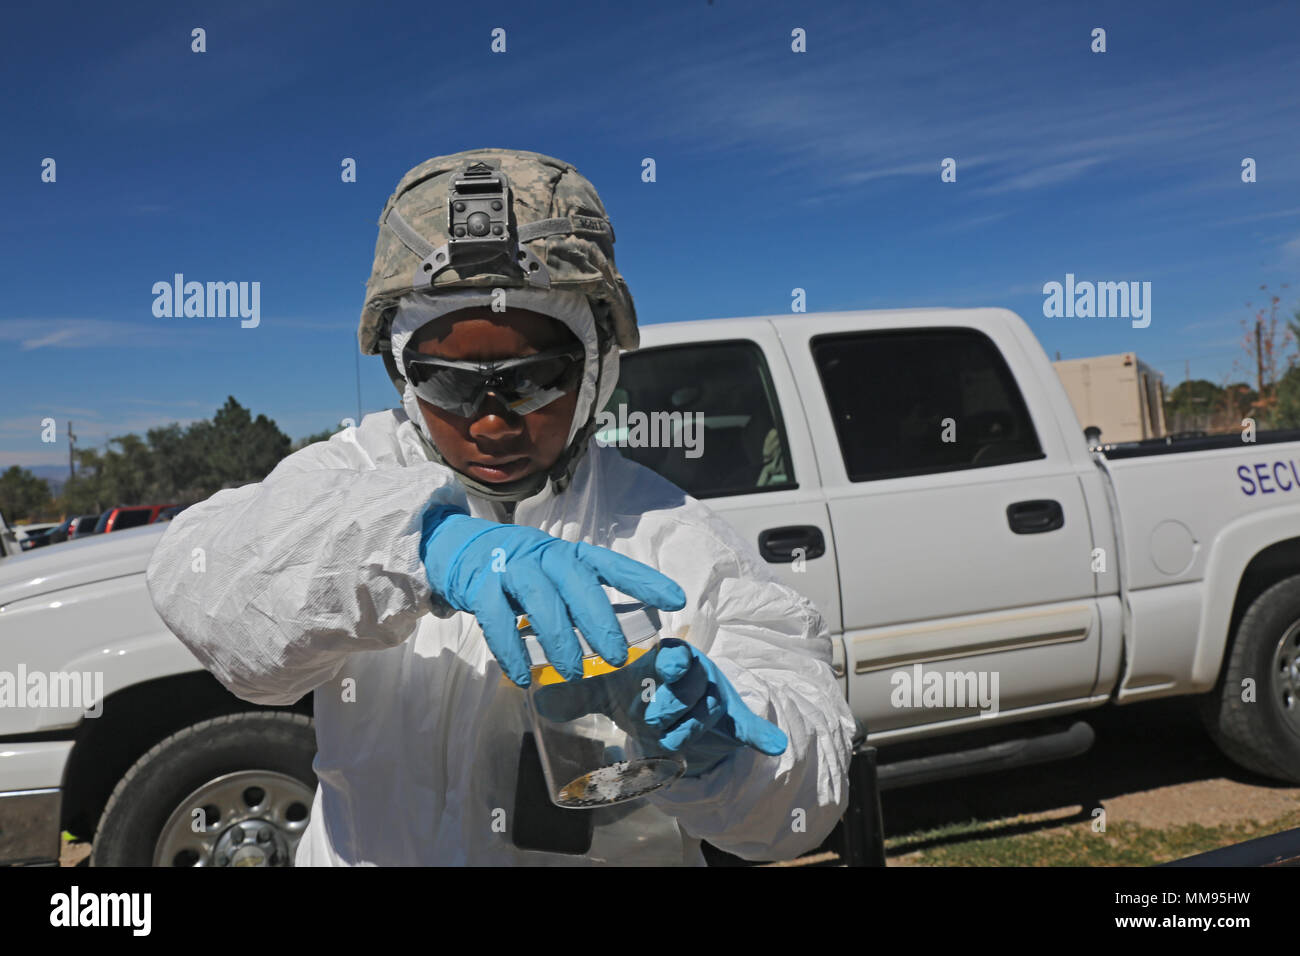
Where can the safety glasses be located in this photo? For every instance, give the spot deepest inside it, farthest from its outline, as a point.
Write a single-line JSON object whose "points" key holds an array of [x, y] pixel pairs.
{"points": [[523, 384]]}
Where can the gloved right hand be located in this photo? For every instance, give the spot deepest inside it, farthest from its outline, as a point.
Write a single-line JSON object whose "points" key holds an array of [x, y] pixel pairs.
{"points": [[676, 700], [491, 570]]}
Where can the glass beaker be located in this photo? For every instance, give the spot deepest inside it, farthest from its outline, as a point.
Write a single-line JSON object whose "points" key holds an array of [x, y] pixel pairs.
{"points": [[581, 726]]}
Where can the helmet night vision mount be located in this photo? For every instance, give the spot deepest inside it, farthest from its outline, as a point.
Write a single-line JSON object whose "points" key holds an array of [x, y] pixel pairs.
{"points": [[481, 226]]}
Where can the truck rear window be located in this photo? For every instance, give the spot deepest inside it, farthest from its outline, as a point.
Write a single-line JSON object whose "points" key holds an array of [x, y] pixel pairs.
{"points": [[919, 401], [704, 416]]}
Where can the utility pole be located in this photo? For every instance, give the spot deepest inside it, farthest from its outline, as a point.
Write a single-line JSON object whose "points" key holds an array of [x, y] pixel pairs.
{"points": [[1259, 360], [356, 355], [72, 441]]}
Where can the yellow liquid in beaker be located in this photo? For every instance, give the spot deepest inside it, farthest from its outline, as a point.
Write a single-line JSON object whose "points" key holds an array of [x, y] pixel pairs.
{"points": [[591, 667]]}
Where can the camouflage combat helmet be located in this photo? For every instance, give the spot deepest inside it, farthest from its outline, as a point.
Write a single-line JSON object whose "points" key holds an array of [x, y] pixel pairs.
{"points": [[490, 218]]}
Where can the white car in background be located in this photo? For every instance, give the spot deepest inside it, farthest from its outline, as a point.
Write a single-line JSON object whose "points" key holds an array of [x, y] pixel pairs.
{"points": [[13, 536]]}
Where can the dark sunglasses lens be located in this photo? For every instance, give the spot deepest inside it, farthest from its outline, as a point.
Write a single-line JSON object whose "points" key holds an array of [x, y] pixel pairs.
{"points": [[449, 388], [534, 376]]}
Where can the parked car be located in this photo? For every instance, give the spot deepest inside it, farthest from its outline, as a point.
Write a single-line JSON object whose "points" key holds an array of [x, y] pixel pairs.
{"points": [[36, 539], [920, 475], [23, 530], [60, 532], [168, 513], [128, 516], [83, 526]]}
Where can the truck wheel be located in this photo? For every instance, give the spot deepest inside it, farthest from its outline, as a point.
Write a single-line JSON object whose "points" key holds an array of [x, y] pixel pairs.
{"points": [[1262, 734], [231, 791]]}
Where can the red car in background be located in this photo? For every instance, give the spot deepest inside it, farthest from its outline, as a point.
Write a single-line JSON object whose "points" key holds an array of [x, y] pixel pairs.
{"points": [[130, 516]]}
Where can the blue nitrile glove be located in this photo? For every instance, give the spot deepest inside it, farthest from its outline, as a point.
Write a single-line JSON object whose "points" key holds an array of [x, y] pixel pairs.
{"points": [[677, 701], [493, 570]]}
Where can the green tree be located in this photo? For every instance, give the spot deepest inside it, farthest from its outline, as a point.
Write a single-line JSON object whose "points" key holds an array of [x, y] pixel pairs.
{"points": [[23, 496], [82, 494], [1293, 327], [1241, 401], [1263, 352], [174, 463], [324, 435], [1287, 413], [169, 467], [241, 448], [1191, 405], [126, 472]]}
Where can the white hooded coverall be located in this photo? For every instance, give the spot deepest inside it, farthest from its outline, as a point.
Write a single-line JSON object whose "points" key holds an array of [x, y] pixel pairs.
{"points": [[313, 576]]}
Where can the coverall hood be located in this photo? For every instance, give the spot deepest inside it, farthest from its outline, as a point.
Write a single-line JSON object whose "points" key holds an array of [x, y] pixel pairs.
{"points": [[600, 374]]}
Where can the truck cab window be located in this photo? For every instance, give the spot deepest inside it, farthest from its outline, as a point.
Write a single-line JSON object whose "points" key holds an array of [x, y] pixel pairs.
{"points": [[915, 402], [703, 416], [132, 518]]}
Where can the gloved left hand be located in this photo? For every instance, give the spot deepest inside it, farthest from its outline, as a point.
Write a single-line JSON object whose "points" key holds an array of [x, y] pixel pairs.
{"points": [[491, 570], [677, 701]]}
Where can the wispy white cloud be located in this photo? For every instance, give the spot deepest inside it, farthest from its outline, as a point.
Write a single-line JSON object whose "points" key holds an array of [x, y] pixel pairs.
{"points": [[29, 334], [65, 410], [165, 403], [895, 113], [1205, 324], [22, 432], [51, 337], [31, 458], [1257, 217], [22, 425], [1050, 175]]}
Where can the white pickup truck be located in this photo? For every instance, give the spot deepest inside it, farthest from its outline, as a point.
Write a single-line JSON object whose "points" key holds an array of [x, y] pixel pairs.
{"points": [[919, 474]]}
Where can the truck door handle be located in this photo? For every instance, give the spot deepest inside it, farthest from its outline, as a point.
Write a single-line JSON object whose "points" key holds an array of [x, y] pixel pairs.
{"points": [[1035, 517], [777, 545]]}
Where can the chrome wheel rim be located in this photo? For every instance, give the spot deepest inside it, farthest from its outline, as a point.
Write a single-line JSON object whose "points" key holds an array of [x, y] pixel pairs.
{"points": [[249, 818], [1286, 677]]}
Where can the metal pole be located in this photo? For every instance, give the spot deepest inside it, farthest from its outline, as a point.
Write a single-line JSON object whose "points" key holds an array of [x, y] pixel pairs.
{"points": [[1259, 360], [356, 355]]}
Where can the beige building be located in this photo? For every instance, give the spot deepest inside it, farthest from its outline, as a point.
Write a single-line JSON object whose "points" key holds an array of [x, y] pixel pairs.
{"points": [[1117, 393]]}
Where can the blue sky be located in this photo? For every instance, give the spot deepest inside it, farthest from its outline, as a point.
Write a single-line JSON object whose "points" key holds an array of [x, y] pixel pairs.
{"points": [[775, 170]]}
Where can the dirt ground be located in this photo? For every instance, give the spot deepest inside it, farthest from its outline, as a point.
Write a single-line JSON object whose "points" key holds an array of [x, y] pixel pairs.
{"points": [[74, 853], [1152, 765]]}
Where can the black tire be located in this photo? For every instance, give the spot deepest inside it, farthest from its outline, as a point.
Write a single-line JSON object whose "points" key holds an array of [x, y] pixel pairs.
{"points": [[1258, 734], [158, 784]]}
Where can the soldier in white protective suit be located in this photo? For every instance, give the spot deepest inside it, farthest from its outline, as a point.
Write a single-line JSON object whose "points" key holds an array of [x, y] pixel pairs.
{"points": [[384, 569]]}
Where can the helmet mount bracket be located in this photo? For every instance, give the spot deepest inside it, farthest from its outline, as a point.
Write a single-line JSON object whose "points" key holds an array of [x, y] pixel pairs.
{"points": [[482, 228]]}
